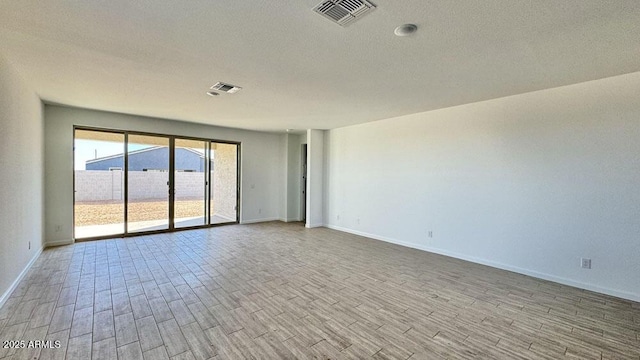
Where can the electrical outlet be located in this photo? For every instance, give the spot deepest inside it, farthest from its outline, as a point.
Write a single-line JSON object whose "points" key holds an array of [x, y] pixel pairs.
{"points": [[259, 211], [585, 263], [337, 217], [58, 228], [430, 234]]}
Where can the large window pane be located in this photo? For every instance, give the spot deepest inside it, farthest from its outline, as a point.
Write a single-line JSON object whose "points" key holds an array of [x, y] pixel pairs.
{"points": [[99, 183], [148, 183], [189, 178], [224, 182]]}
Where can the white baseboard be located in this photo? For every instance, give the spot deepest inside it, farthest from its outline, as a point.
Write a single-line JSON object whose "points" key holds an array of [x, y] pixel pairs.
{"points": [[58, 243], [558, 279], [314, 225], [24, 272]]}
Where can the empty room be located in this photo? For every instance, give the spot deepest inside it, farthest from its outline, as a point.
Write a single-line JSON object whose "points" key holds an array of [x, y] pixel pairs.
{"points": [[337, 179]]}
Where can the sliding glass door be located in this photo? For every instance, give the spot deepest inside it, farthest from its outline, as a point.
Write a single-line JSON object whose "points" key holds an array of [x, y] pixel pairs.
{"points": [[131, 183], [190, 183], [224, 182], [98, 183], [148, 183]]}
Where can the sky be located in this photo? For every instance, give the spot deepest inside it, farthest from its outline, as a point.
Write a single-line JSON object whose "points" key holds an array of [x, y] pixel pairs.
{"points": [[87, 150]]}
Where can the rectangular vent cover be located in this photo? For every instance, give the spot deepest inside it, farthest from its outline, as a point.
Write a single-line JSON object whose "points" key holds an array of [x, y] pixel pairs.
{"points": [[344, 12], [228, 88]]}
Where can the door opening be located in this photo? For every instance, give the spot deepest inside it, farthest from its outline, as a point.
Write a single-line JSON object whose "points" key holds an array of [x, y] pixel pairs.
{"points": [[303, 196]]}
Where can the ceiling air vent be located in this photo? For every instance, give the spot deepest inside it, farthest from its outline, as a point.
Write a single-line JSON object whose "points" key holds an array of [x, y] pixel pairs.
{"points": [[344, 12], [228, 88]]}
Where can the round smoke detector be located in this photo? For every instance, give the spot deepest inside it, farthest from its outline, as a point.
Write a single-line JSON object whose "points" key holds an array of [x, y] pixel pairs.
{"points": [[405, 30]]}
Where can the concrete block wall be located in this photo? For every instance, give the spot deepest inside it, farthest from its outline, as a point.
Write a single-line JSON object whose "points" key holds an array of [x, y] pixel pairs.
{"points": [[224, 186], [99, 185], [93, 185], [146, 185], [189, 185]]}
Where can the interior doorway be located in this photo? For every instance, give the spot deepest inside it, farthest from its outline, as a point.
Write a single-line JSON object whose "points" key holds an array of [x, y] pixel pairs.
{"points": [[303, 185]]}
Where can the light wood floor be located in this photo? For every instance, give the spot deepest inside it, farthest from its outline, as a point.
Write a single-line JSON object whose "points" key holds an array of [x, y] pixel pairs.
{"points": [[278, 290]]}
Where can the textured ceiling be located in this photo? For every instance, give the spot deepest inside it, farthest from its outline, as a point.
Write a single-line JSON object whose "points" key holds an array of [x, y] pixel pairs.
{"points": [[297, 69]]}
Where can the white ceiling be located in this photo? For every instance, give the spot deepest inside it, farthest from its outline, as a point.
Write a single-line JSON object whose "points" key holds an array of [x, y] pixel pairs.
{"points": [[299, 70]]}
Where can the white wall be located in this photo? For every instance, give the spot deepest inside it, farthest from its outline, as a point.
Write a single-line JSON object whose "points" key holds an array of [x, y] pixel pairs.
{"points": [[294, 176], [315, 178], [262, 163], [21, 184], [530, 183]]}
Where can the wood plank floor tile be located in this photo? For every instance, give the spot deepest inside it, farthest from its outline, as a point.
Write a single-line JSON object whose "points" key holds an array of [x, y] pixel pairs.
{"points": [[148, 333], [120, 303], [159, 353], [54, 353], [79, 347], [23, 311], [105, 349], [103, 326], [84, 299], [199, 343], [29, 353], [279, 290], [227, 319], [140, 306], [187, 355], [202, 315], [173, 337], [68, 295], [102, 301], [269, 340], [181, 312], [82, 322], [249, 348], [160, 309], [125, 328], [130, 352], [42, 315], [169, 292]]}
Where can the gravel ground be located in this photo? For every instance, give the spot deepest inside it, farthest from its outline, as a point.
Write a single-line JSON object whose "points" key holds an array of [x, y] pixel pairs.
{"points": [[108, 212]]}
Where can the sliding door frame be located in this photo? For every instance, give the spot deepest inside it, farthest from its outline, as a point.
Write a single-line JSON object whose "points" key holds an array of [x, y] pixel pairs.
{"points": [[73, 172], [210, 182], [171, 200]]}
